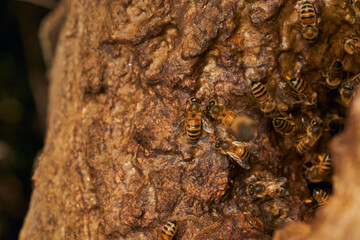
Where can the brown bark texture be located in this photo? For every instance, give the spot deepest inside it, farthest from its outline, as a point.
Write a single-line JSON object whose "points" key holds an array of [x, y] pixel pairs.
{"points": [[117, 163]]}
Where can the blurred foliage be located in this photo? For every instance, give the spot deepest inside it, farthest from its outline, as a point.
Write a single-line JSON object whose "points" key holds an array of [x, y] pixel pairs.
{"points": [[22, 120]]}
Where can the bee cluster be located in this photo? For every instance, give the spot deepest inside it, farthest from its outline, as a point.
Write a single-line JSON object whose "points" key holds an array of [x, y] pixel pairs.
{"points": [[305, 127], [306, 135]]}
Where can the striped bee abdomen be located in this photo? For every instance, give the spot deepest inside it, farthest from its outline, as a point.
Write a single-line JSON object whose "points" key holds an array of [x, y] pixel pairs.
{"points": [[307, 14], [283, 125], [336, 70], [300, 85], [259, 91], [193, 127], [356, 79], [243, 153], [325, 166], [169, 230], [304, 145]]}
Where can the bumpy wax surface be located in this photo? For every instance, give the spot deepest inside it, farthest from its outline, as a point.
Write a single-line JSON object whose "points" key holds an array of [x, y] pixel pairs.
{"points": [[117, 163]]}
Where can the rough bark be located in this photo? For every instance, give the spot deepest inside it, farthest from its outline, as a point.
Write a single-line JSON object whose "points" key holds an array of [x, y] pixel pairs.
{"points": [[117, 164]]}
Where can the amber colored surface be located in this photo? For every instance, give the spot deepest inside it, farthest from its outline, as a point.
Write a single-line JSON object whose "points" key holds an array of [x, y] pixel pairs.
{"points": [[117, 163]]}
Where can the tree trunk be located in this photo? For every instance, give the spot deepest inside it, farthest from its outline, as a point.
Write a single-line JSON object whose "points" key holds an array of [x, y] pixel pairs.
{"points": [[117, 163]]}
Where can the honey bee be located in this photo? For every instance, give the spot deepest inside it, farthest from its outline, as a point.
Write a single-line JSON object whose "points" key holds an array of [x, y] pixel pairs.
{"points": [[325, 166], [319, 172], [283, 125], [262, 95], [240, 125], [356, 79], [303, 90], [356, 6], [310, 30], [219, 112], [319, 196], [334, 123], [351, 44], [194, 122], [313, 133], [235, 150], [168, 231], [267, 189], [335, 75], [347, 93]]}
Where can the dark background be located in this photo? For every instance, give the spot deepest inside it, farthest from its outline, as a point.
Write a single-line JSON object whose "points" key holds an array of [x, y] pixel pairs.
{"points": [[23, 102]]}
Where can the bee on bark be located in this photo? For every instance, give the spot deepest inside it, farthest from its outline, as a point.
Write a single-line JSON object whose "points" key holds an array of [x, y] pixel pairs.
{"points": [[356, 79], [240, 125], [313, 133], [270, 188], [351, 44], [284, 125], [219, 112], [277, 213], [321, 171], [260, 92], [335, 75], [334, 123], [168, 231], [347, 93], [235, 150], [194, 121], [303, 90], [310, 30]]}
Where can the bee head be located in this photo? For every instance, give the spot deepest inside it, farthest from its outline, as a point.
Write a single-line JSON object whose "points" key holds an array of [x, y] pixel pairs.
{"points": [[250, 189], [348, 89], [225, 144], [309, 27], [316, 122], [335, 126], [348, 86], [218, 142], [195, 100], [291, 80], [347, 94], [269, 108], [277, 121], [316, 192], [194, 106], [211, 104], [337, 64], [258, 188]]}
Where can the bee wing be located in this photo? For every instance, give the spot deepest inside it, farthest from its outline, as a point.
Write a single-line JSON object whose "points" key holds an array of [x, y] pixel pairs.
{"points": [[273, 188], [237, 143], [252, 178], [281, 180], [277, 188], [207, 126], [241, 162]]}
